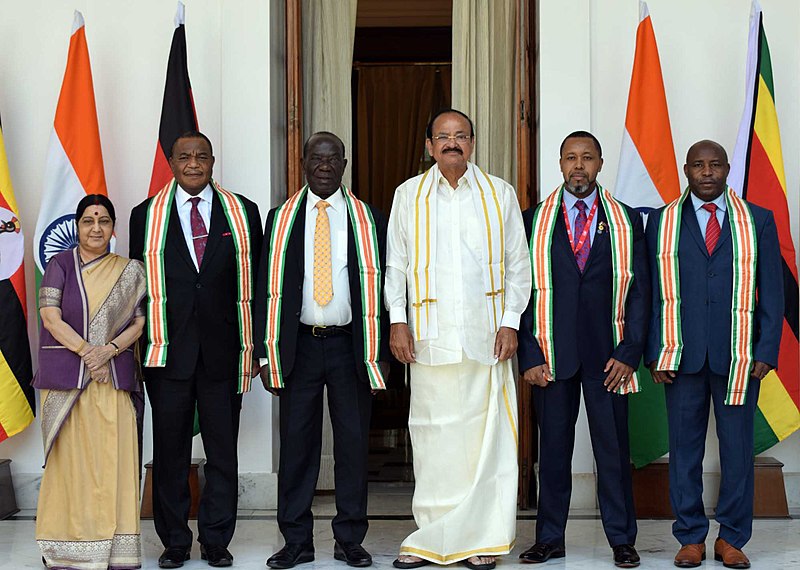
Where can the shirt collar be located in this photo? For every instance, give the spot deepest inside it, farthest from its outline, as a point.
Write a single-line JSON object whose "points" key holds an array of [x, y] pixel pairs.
{"points": [[570, 200], [719, 201], [182, 196], [336, 200]]}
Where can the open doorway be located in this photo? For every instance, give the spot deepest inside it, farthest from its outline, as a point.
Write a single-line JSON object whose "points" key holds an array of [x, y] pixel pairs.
{"points": [[414, 33], [402, 61]]}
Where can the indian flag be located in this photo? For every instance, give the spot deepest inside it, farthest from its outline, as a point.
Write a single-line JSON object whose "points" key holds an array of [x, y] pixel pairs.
{"points": [[757, 174], [647, 178], [74, 165]]}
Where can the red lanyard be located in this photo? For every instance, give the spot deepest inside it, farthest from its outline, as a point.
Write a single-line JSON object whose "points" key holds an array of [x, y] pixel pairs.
{"points": [[585, 233]]}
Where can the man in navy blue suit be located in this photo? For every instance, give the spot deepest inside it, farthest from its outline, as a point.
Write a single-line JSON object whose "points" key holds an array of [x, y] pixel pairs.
{"points": [[588, 313], [689, 347]]}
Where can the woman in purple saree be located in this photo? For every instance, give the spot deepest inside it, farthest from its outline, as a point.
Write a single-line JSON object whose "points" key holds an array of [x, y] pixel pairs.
{"points": [[90, 304]]}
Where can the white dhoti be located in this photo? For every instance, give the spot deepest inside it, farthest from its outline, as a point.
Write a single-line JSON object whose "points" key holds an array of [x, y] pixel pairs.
{"points": [[463, 425]]}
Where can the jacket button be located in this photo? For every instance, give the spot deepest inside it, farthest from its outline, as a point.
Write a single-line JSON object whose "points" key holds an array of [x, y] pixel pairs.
{"points": [[198, 285], [711, 274], [297, 314]]}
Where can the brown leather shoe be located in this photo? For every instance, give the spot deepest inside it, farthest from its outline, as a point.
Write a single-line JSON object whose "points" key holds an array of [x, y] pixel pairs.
{"points": [[690, 556], [730, 556]]}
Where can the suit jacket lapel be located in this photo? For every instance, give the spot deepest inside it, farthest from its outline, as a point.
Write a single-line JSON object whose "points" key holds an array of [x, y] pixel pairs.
{"points": [[561, 240], [175, 237], [297, 243], [690, 223], [219, 225]]}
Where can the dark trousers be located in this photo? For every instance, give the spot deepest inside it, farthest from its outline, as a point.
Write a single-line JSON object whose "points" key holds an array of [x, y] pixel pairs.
{"points": [[557, 408], [218, 406], [323, 362], [688, 399]]}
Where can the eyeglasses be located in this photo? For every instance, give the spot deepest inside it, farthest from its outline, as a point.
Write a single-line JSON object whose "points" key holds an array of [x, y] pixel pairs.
{"points": [[460, 138]]}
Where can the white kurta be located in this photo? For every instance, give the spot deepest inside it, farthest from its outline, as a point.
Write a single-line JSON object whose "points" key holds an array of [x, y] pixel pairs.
{"points": [[462, 420]]}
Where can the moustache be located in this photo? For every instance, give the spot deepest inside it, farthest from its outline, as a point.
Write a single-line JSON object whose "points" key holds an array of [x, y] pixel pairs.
{"points": [[454, 149]]}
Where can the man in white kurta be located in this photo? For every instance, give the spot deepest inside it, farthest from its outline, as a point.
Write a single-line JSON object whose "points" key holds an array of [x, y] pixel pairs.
{"points": [[458, 278]]}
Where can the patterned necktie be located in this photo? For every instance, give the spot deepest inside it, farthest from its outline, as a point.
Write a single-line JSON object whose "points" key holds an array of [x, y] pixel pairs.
{"points": [[580, 223], [323, 286], [199, 232], [712, 228]]}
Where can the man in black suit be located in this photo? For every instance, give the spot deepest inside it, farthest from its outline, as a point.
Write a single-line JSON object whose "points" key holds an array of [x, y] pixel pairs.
{"points": [[321, 323], [585, 222], [200, 358]]}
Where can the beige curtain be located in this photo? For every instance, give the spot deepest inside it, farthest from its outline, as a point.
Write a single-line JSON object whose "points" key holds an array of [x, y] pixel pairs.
{"points": [[483, 79], [329, 28]]}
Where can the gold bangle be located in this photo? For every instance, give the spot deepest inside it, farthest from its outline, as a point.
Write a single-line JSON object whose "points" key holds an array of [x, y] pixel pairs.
{"points": [[116, 348], [81, 347]]}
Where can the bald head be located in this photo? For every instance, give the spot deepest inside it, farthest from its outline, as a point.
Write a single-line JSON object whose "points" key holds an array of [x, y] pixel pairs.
{"points": [[707, 170]]}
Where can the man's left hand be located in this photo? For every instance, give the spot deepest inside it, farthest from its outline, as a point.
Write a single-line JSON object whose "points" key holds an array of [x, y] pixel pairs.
{"points": [[618, 373], [760, 369], [505, 343], [255, 369]]}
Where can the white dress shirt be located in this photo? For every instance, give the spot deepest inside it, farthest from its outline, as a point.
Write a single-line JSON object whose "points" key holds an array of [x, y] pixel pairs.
{"points": [[570, 202], [338, 310], [463, 314], [182, 198], [704, 215]]}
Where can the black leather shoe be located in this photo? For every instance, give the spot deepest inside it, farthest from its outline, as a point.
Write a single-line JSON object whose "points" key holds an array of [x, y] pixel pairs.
{"points": [[290, 555], [173, 557], [217, 556], [542, 552], [352, 553], [625, 556]]}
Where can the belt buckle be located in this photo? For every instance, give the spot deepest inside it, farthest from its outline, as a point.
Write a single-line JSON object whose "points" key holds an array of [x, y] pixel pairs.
{"points": [[322, 329]]}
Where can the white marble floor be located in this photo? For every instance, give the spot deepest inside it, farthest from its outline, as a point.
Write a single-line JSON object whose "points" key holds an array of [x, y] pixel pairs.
{"points": [[775, 544]]}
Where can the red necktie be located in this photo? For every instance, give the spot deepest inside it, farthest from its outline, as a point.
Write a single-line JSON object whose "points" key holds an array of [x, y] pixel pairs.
{"points": [[582, 255], [712, 228], [199, 233]]}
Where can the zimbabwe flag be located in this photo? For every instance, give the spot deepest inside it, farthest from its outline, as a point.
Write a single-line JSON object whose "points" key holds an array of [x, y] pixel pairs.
{"points": [[757, 174], [16, 394]]}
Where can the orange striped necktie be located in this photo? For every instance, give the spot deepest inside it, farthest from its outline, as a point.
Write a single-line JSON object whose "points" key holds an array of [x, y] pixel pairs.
{"points": [[323, 285]]}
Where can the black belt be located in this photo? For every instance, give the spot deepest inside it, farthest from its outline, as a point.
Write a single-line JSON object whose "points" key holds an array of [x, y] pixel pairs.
{"points": [[321, 331]]}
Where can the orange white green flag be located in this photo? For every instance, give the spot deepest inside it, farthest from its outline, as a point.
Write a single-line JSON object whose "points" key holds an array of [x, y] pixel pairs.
{"points": [[757, 174], [74, 165], [647, 178], [16, 394]]}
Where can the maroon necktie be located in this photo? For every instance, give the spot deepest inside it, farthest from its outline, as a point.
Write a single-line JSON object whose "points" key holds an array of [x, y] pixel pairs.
{"points": [[582, 255], [199, 233], [712, 228]]}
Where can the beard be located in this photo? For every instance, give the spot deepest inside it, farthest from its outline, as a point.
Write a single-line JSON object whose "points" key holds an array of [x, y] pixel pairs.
{"points": [[579, 189]]}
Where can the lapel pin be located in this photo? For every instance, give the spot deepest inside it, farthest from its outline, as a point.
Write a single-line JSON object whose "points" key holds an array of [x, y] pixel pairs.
{"points": [[601, 227]]}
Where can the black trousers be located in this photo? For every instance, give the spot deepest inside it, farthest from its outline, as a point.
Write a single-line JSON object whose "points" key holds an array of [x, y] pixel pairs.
{"points": [[218, 407], [557, 408], [323, 362]]}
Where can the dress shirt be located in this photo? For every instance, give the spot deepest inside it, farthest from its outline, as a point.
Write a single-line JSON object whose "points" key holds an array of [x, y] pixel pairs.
{"points": [[182, 198], [704, 215], [463, 313], [338, 310], [572, 212]]}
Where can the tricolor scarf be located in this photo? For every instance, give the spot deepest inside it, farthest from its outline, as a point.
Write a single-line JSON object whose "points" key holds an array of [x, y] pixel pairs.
{"points": [[369, 269], [155, 239], [745, 253], [620, 231], [422, 249]]}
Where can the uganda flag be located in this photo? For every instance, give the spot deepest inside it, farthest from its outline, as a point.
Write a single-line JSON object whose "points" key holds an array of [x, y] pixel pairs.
{"points": [[16, 394], [757, 174], [177, 111]]}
